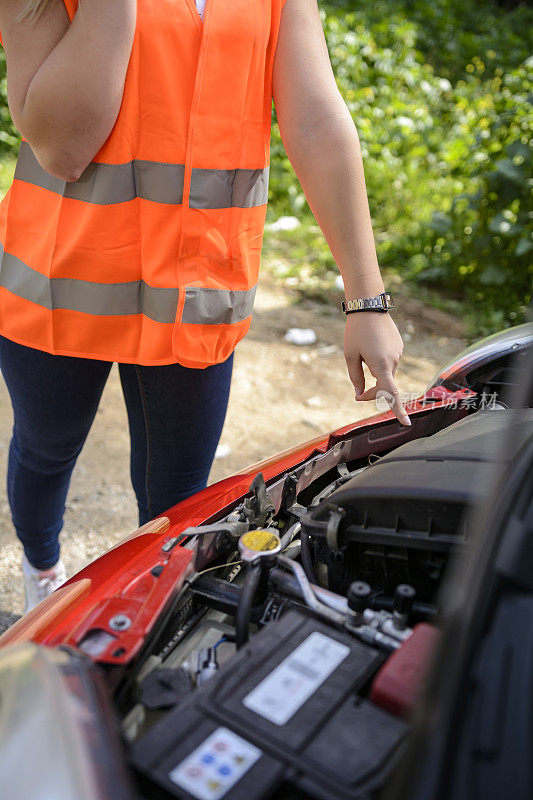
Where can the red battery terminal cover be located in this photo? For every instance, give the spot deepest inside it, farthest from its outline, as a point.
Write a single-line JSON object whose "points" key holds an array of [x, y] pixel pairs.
{"points": [[399, 682]]}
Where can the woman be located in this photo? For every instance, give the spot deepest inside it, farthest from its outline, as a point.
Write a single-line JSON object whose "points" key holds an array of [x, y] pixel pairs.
{"points": [[133, 230]]}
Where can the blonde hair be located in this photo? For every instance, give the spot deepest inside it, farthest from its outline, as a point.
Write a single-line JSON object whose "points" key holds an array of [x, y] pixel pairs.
{"points": [[33, 10]]}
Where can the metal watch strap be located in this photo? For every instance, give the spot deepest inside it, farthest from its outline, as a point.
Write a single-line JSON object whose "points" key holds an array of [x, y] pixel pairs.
{"points": [[382, 302]]}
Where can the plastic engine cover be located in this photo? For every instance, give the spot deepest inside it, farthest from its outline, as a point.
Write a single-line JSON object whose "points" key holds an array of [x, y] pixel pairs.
{"points": [[417, 494]]}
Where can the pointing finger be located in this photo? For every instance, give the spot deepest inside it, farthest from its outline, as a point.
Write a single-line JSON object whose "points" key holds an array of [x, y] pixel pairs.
{"points": [[393, 399]]}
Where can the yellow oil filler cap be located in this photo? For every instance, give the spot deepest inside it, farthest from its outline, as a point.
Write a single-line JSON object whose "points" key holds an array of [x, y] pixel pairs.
{"points": [[258, 543]]}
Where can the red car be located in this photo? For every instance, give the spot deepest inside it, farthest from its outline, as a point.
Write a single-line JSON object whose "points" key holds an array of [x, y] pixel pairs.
{"points": [[296, 631]]}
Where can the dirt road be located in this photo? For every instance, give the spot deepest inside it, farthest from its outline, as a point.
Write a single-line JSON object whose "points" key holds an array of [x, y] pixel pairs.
{"points": [[281, 395]]}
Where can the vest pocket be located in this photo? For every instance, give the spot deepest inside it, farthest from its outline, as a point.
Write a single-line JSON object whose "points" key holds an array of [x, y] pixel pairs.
{"points": [[212, 322]]}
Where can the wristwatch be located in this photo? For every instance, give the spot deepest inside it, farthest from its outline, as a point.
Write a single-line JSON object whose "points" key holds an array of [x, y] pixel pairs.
{"points": [[382, 302]]}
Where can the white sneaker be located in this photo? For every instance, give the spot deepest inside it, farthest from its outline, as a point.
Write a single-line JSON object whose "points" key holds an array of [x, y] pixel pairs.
{"points": [[39, 583]]}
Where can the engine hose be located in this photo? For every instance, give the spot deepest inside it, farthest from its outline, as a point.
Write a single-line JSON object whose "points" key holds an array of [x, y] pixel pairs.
{"points": [[381, 603], [246, 601], [307, 560]]}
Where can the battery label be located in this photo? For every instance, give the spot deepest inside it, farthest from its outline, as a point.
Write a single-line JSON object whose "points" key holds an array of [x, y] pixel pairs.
{"points": [[210, 771], [279, 696]]}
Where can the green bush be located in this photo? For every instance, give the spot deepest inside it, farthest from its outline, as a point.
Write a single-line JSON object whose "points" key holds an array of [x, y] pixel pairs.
{"points": [[9, 137], [488, 232], [441, 98]]}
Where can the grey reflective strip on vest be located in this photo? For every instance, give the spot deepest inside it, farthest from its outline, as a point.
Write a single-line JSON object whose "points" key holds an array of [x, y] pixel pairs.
{"points": [[205, 306], [228, 188], [106, 184], [101, 299], [202, 306]]}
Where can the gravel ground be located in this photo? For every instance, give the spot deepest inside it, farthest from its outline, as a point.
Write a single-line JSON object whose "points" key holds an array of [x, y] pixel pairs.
{"points": [[281, 395]]}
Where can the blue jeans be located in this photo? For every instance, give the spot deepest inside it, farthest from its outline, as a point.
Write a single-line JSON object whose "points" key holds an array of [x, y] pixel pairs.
{"points": [[175, 418]]}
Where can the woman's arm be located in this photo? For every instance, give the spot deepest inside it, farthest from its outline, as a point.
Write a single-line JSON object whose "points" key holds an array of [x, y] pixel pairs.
{"points": [[65, 81], [322, 144]]}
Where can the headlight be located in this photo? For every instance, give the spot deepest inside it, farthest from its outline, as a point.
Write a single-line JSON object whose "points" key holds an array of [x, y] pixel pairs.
{"points": [[57, 734]]}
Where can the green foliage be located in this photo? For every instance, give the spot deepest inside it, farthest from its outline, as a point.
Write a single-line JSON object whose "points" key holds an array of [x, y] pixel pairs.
{"points": [[450, 33], [441, 97], [9, 137], [7, 168], [489, 229]]}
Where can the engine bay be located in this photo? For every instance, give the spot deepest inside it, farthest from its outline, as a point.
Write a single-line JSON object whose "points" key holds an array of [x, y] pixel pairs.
{"points": [[347, 620], [290, 664]]}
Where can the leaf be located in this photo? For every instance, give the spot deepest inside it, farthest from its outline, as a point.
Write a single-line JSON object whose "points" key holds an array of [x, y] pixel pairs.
{"points": [[503, 227], [508, 170], [519, 149], [431, 274], [492, 275], [523, 246], [440, 222]]}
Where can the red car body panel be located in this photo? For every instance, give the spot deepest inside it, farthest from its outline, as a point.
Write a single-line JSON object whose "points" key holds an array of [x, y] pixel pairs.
{"points": [[124, 582]]}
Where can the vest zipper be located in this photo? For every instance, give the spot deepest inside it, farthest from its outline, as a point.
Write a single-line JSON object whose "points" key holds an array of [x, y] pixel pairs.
{"points": [[192, 120], [188, 164]]}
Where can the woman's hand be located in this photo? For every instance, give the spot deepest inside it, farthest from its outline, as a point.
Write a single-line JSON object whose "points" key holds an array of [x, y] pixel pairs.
{"points": [[374, 338]]}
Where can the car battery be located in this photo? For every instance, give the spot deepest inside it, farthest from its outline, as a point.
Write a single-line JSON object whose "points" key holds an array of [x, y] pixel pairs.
{"points": [[286, 713]]}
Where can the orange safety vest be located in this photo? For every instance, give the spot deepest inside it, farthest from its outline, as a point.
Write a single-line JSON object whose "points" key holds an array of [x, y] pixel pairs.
{"points": [[152, 256]]}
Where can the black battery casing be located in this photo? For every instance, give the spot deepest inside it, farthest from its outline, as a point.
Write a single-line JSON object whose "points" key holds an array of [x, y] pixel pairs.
{"points": [[336, 746]]}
